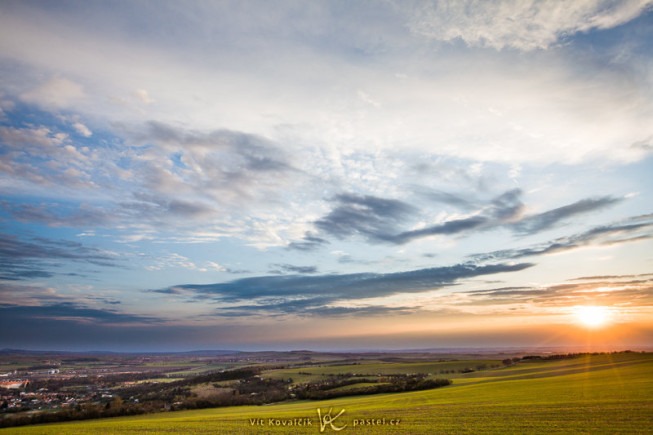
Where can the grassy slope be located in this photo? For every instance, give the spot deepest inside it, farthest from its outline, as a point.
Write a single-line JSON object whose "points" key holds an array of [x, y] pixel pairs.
{"points": [[599, 394], [372, 368]]}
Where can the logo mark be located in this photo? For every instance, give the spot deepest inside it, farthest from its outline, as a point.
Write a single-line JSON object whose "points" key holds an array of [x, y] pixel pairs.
{"points": [[328, 420]]}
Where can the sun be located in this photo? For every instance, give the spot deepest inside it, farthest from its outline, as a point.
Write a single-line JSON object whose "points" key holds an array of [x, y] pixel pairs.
{"points": [[592, 316]]}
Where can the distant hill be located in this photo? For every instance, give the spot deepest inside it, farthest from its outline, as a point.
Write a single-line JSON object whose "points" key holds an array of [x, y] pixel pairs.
{"points": [[8, 351]]}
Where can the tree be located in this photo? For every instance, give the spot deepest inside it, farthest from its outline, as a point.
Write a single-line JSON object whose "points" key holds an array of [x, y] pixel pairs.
{"points": [[116, 403]]}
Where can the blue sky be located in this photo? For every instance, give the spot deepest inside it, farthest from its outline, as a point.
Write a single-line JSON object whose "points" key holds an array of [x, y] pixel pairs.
{"points": [[325, 174]]}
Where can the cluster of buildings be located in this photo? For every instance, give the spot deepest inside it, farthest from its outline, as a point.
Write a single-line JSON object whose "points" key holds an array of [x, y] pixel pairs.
{"points": [[14, 384], [14, 394], [41, 399]]}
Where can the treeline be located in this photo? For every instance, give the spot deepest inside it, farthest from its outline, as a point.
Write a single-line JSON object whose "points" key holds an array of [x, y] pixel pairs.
{"points": [[145, 391], [552, 357], [555, 357], [257, 391], [40, 367], [509, 361], [403, 383]]}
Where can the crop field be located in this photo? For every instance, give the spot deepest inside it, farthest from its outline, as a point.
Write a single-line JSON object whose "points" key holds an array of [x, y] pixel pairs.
{"points": [[589, 394], [447, 369]]}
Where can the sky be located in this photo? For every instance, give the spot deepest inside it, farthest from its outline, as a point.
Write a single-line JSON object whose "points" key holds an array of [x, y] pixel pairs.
{"points": [[327, 175]]}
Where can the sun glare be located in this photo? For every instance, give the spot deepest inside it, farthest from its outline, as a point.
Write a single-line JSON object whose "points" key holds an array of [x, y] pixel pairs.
{"points": [[592, 316]]}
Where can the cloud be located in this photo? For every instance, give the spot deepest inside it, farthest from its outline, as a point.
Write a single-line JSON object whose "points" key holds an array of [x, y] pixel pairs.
{"points": [[5, 106], [67, 325], [168, 176], [67, 312], [213, 170], [504, 208], [21, 259], [602, 277], [158, 178], [457, 200], [13, 293], [253, 152], [58, 216], [82, 129], [142, 96], [212, 265], [486, 109], [309, 242], [190, 209], [289, 268], [13, 271], [451, 227], [39, 156], [34, 139], [104, 300], [379, 220], [401, 125], [57, 92], [606, 235], [543, 221], [303, 294], [613, 291], [11, 247], [374, 218], [312, 309], [525, 25]]}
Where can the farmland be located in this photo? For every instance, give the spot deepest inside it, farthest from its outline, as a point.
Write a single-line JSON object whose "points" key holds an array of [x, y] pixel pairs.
{"points": [[591, 393]]}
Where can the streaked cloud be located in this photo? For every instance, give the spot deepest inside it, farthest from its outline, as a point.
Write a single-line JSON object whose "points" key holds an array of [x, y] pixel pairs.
{"points": [[302, 294], [616, 291], [47, 314], [289, 268], [607, 235], [380, 220], [23, 259], [547, 219], [524, 25], [308, 243]]}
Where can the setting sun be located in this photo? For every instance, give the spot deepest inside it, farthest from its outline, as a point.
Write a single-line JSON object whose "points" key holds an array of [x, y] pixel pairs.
{"points": [[592, 316]]}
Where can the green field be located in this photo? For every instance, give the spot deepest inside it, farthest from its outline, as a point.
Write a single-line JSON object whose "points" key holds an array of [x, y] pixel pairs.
{"points": [[444, 369], [589, 394]]}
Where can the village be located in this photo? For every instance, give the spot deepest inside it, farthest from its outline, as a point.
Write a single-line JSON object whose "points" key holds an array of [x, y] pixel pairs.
{"points": [[20, 392]]}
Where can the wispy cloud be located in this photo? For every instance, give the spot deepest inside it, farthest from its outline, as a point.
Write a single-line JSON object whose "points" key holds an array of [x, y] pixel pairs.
{"points": [[23, 259], [542, 221], [67, 312], [309, 242], [613, 291], [504, 208], [289, 268], [613, 234], [302, 294], [311, 308], [524, 25], [380, 220], [56, 215]]}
